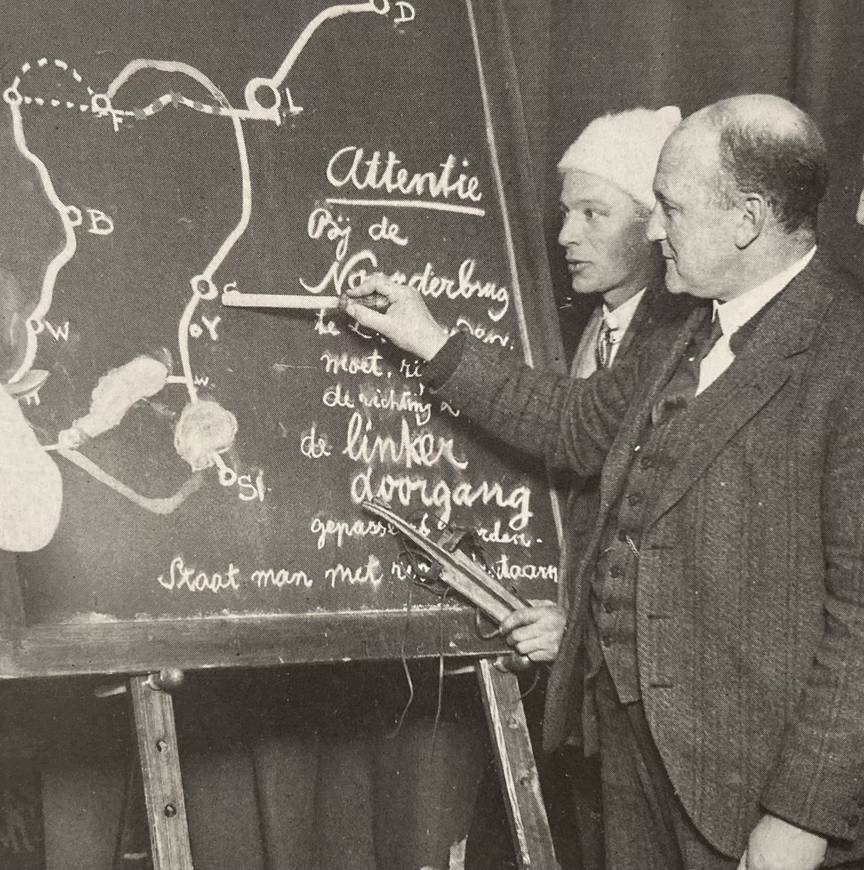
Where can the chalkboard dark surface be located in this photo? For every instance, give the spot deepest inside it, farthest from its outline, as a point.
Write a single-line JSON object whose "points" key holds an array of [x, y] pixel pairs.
{"points": [[214, 458]]}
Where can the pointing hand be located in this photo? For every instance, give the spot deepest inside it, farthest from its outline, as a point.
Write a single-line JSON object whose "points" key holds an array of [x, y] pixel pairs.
{"points": [[406, 321]]}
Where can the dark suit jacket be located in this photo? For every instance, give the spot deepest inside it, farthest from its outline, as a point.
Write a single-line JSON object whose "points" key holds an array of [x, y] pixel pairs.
{"points": [[750, 589]]}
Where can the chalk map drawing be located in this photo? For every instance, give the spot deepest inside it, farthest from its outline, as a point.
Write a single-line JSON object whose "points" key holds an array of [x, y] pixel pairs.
{"points": [[205, 430]]}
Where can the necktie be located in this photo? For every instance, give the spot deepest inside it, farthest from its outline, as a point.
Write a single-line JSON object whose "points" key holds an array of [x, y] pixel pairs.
{"points": [[685, 379], [605, 342]]}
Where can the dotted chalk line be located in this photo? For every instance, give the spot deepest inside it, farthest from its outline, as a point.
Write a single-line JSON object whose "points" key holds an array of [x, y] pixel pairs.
{"points": [[28, 67], [172, 98]]}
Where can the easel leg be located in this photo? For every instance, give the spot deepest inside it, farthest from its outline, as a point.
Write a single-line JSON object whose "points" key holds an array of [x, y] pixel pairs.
{"points": [[153, 714], [132, 837], [517, 768]]}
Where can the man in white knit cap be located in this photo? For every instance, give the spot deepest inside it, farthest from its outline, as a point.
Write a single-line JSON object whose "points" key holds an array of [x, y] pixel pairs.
{"points": [[606, 200]]}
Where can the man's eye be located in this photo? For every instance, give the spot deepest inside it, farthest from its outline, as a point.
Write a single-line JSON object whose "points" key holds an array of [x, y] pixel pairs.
{"points": [[590, 214]]}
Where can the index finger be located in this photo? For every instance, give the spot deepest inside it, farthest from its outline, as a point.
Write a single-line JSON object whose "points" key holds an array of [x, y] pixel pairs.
{"points": [[523, 616], [376, 283]]}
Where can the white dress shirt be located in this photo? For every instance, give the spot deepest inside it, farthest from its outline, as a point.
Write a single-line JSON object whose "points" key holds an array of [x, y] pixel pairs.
{"points": [[736, 312], [618, 321]]}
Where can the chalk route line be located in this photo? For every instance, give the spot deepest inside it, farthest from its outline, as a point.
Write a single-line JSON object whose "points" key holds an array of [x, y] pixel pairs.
{"points": [[163, 506], [202, 284], [46, 292], [102, 104], [409, 203]]}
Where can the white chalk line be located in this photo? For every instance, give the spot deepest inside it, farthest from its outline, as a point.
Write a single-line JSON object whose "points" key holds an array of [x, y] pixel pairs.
{"points": [[178, 99], [231, 240], [60, 64], [46, 295], [410, 203], [161, 506], [170, 504], [326, 15], [122, 78]]}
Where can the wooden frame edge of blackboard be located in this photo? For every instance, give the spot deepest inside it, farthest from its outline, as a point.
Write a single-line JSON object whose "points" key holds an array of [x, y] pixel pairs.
{"points": [[140, 646], [520, 199], [524, 210]]}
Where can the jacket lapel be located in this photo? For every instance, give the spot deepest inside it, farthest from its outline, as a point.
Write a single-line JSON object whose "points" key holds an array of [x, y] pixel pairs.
{"points": [[645, 318], [770, 357]]}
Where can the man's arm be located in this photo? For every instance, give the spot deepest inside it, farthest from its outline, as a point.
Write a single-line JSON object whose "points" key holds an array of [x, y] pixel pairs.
{"points": [[30, 484], [571, 424], [818, 780]]}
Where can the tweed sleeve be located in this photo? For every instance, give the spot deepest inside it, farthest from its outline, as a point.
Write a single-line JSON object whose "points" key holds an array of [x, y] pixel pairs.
{"points": [[30, 484], [569, 423], [440, 368], [818, 781]]}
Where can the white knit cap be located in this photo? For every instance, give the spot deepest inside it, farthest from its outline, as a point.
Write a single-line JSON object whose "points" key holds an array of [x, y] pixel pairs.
{"points": [[624, 148]]}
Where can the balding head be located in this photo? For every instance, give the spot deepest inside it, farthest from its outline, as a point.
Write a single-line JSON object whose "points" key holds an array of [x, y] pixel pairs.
{"points": [[768, 146], [738, 187]]}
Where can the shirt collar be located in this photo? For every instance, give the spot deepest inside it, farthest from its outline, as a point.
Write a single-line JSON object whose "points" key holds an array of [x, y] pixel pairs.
{"points": [[619, 318], [736, 312]]}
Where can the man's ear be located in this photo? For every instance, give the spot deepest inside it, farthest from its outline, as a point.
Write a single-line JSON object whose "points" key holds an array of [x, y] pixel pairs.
{"points": [[753, 214]]}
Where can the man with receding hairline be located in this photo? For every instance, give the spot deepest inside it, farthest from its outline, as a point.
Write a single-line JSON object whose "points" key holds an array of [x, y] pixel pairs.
{"points": [[723, 588]]}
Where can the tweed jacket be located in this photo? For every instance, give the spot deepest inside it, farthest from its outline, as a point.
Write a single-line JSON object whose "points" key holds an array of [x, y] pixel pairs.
{"points": [[750, 584]]}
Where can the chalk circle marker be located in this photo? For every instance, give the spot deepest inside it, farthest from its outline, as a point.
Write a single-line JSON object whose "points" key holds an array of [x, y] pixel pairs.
{"points": [[13, 96], [101, 104], [266, 96], [263, 98], [227, 475], [203, 287]]}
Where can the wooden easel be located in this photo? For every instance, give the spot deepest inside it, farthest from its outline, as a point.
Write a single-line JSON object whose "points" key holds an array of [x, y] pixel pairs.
{"points": [[517, 769], [500, 695], [156, 737]]}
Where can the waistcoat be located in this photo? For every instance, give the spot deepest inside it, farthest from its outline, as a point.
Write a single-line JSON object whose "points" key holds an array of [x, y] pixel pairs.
{"points": [[612, 628]]}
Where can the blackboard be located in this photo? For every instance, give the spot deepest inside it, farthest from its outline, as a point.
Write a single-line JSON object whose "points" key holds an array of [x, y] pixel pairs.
{"points": [[213, 459]]}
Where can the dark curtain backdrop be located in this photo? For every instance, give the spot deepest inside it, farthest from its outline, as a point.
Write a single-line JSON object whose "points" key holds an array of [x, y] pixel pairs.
{"points": [[577, 59]]}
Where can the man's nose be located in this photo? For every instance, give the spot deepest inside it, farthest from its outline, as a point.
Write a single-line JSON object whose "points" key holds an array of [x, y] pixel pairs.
{"points": [[859, 216], [655, 231], [570, 233]]}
